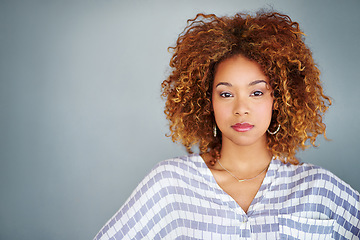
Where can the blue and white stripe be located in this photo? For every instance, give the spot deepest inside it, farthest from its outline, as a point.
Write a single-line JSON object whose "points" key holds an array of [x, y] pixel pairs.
{"points": [[180, 199]]}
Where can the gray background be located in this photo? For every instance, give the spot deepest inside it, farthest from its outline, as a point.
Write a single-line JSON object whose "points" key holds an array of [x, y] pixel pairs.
{"points": [[81, 115]]}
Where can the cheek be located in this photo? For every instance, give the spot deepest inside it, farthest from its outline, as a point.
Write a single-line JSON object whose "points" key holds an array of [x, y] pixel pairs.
{"points": [[220, 111], [265, 110], [269, 109]]}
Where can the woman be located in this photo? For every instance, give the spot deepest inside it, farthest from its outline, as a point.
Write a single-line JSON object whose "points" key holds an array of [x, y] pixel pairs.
{"points": [[246, 91]]}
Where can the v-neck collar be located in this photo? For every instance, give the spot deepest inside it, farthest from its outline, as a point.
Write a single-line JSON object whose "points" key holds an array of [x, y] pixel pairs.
{"points": [[225, 198]]}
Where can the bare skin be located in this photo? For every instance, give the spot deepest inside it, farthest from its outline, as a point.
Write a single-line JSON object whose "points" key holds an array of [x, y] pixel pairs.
{"points": [[242, 104], [242, 192]]}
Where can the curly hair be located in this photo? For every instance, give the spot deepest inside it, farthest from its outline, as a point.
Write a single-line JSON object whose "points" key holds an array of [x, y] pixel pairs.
{"points": [[276, 43]]}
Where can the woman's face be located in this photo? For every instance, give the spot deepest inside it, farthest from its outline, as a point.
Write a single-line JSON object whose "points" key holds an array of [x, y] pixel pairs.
{"points": [[242, 101]]}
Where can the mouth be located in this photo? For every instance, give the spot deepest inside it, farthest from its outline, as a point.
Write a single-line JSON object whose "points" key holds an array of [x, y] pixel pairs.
{"points": [[242, 127]]}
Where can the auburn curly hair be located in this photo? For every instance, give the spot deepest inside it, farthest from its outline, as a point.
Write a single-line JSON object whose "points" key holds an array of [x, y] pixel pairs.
{"points": [[276, 43]]}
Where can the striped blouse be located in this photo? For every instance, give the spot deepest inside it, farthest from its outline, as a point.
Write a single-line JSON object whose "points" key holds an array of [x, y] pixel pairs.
{"points": [[180, 199]]}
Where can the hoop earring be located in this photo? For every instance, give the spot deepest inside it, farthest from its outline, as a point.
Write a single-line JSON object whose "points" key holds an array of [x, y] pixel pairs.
{"points": [[215, 131], [275, 132]]}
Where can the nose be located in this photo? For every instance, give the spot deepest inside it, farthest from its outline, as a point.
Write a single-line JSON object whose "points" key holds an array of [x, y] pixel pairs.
{"points": [[241, 107]]}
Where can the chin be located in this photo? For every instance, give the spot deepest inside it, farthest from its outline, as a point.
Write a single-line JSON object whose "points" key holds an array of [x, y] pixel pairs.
{"points": [[249, 141]]}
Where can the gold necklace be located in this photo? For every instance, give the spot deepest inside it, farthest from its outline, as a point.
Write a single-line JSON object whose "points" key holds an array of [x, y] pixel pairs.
{"points": [[246, 179]]}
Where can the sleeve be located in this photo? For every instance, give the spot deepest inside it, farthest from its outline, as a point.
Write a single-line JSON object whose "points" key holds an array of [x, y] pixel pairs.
{"points": [[345, 210], [139, 218]]}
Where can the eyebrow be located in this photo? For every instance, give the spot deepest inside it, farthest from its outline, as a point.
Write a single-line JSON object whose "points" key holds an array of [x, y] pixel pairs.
{"points": [[250, 84], [257, 82]]}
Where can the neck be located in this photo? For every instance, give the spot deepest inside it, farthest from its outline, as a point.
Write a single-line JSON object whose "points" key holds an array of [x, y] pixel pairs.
{"points": [[245, 158]]}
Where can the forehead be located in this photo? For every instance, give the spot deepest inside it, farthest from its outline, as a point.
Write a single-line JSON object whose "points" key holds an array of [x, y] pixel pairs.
{"points": [[238, 69]]}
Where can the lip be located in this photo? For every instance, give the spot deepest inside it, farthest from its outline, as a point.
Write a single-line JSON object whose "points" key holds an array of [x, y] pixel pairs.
{"points": [[242, 127]]}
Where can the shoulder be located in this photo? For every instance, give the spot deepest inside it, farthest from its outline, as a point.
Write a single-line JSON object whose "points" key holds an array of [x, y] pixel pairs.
{"points": [[151, 197], [172, 171], [317, 180], [180, 165], [308, 172], [182, 162]]}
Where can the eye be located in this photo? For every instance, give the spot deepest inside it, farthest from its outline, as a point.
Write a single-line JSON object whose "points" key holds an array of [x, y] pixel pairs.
{"points": [[225, 95], [257, 93]]}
